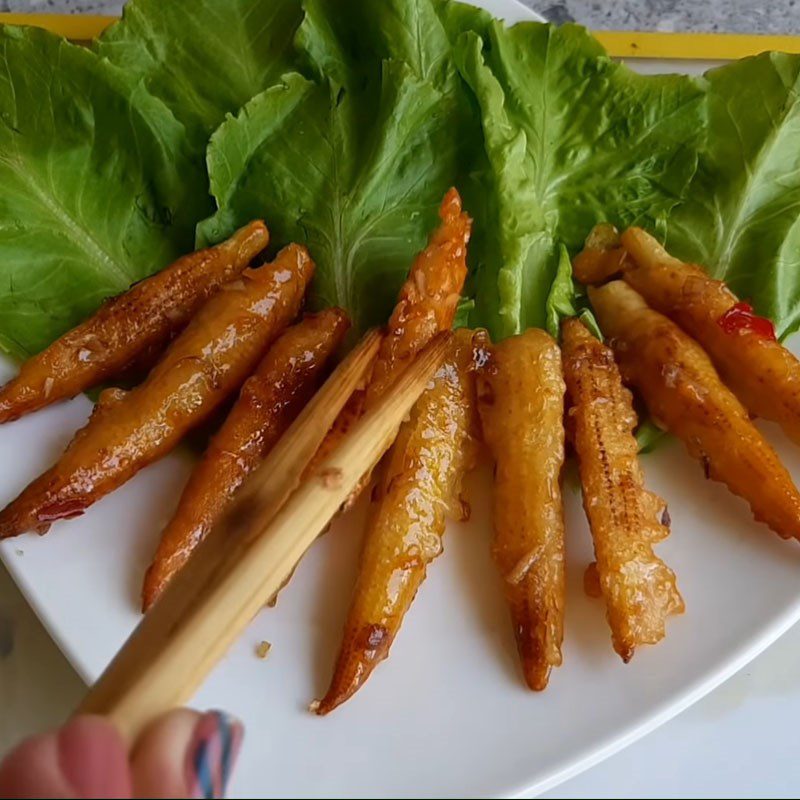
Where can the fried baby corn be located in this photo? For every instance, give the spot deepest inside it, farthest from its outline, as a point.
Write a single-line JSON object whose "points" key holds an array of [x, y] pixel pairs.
{"points": [[685, 395], [429, 298], [426, 306], [763, 374], [640, 591], [602, 257], [419, 485], [521, 402], [127, 327], [268, 403], [207, 363]]}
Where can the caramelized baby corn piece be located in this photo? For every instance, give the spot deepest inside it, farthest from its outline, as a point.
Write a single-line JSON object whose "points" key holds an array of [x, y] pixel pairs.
{"points": [[602, 257], [419, 485], [126, 329], [426, 306], [268, 403], [521, 402], [763, 374], [640, 591], [429, 298], [685, 395], [207, 363]]}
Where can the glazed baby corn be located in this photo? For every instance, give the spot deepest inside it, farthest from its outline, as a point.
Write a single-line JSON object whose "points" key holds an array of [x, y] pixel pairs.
{"points": [[683, 393], [639, 590], [602, 257], [426, 306], [268, 402], [141, 321], [418, 486], [521, 402], [209, 361], [763, 374], [429, 298]]}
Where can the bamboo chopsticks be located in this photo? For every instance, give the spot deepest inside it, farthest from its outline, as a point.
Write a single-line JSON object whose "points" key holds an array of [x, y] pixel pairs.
{"points": [[250, 554]]}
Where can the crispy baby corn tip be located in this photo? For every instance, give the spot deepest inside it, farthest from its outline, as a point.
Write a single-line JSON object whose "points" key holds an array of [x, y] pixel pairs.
{"points": [[296, 256], [248, 241], [157, 576], [451, 207], [372, 643], [428, 299], [602, 256], [646, 250], [535, 671]]}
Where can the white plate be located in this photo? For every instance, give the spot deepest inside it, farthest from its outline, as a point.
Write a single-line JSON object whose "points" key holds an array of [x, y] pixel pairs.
{"points": [[447, 714]]}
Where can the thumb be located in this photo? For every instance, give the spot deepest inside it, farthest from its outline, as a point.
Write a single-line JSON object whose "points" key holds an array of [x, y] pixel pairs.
{"points": [[186, 754]]}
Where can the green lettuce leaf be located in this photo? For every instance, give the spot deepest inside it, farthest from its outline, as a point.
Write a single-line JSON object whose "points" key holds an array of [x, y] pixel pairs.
{"points": [[465, 307], [573, 139], [459, 18], [742, 217], [649, 436], [354, 161], [204, 58], [567, 299], [97, 190]]}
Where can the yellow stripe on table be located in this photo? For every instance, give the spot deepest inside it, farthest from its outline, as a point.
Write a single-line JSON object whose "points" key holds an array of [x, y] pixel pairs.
{"points": [[622, 44], [693, 46], [81, 27]]}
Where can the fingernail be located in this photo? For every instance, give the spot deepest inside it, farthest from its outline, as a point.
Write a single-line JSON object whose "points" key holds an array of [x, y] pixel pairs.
{"points": [[212, 755]]}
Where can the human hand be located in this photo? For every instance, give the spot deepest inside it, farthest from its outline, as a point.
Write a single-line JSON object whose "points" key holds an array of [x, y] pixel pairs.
{"points": [[182, 754]]}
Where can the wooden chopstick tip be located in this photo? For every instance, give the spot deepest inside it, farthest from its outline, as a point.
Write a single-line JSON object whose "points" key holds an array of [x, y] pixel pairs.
{"points": [[419, 372]]}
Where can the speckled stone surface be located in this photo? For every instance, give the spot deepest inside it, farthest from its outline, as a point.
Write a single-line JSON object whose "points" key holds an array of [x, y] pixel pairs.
{"points": [[62, 6], [740, 16], [725, 16]]}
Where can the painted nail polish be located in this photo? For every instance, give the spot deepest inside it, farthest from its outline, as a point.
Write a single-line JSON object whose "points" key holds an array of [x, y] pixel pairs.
{"points": [[212, 754]]}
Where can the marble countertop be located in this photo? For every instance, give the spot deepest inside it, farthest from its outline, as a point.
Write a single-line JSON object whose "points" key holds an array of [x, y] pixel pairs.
{"points": [[731, 16]]}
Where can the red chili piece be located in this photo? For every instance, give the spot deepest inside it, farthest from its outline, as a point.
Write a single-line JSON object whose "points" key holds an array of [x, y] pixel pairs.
{"points": [[741, 319]]}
